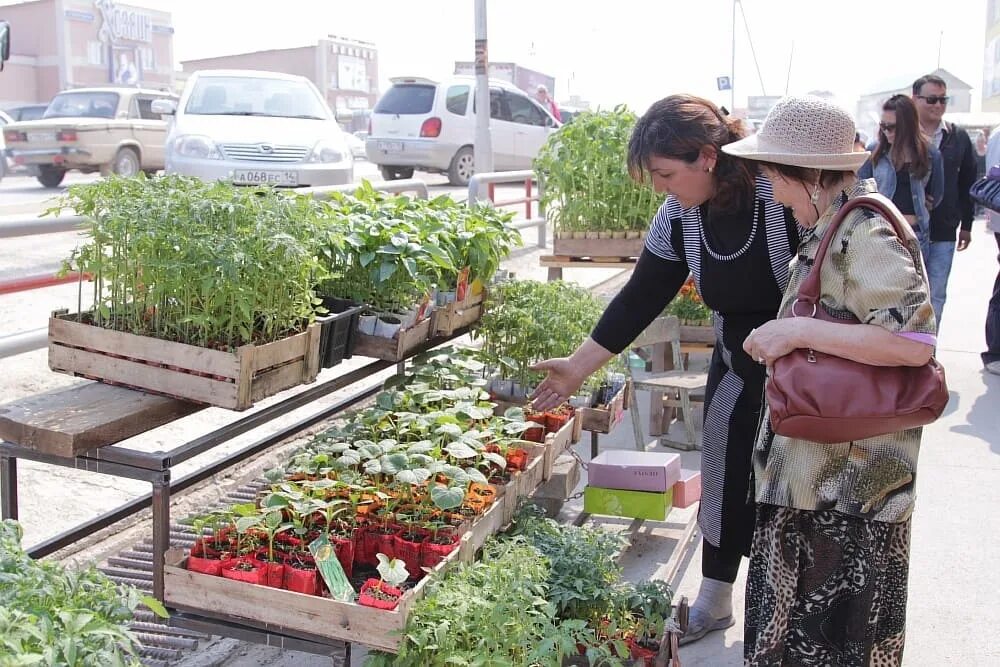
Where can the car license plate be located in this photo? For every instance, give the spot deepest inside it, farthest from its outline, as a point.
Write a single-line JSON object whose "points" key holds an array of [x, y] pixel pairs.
{"points": [[265, 177], [41, 136], [389, 146]]}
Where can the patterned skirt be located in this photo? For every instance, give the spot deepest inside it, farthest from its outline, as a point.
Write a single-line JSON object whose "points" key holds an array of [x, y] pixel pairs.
{"points": [[825, 588]]}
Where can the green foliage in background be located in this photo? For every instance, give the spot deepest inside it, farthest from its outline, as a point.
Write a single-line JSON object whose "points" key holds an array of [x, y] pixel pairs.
{"points": [[587, 187]]}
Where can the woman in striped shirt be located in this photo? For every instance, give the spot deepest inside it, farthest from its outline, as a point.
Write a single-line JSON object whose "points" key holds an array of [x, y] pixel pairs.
{"points": [[721, 225]]}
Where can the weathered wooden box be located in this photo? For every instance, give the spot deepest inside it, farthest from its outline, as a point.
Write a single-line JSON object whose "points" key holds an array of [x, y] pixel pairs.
{"points": [[398, 348], [234, 380], [599, 244], [449, 319], [603, 419]]}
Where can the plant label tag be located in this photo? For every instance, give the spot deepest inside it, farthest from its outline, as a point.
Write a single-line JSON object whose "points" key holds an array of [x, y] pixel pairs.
{"points": [[462, 288]]}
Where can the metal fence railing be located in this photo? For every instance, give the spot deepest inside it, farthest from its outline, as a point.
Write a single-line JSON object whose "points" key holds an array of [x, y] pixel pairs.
{"points": [[482, 188]]}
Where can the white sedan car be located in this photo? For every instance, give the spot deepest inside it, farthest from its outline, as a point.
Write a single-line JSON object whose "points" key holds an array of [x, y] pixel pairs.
{"points": [[254, 128]]}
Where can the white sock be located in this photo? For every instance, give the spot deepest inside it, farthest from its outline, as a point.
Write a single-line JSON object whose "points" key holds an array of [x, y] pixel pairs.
{"points": [[715, 599]]}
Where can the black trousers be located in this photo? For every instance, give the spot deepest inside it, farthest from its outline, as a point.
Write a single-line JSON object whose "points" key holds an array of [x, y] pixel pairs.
{"points": [[720, 564], [992, 352]]}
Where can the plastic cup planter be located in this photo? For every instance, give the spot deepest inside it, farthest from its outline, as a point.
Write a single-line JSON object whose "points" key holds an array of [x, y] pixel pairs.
{"points": [[387, 325]]}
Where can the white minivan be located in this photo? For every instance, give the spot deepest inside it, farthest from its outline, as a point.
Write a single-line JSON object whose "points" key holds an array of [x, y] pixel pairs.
{"points": [[255, 128], [431, 125]]}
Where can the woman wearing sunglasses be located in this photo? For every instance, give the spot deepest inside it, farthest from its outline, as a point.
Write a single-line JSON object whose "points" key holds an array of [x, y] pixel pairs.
{"points": [[906, 167]]}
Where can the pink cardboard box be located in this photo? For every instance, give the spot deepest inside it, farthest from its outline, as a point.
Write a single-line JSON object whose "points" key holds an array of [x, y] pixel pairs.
{"points": [[634, 471], [687, 491]]}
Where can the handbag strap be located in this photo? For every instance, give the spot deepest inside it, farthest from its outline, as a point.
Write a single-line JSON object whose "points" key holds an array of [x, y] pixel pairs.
{"points": [[809, 290]]}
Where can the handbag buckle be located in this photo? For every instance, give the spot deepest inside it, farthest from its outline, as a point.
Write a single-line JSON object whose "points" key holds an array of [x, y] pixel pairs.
{"points": [[811, 356], [795, 314]]}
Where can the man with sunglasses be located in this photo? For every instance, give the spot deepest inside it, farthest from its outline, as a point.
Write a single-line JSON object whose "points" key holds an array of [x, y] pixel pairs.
{"points": [[930, 94]]}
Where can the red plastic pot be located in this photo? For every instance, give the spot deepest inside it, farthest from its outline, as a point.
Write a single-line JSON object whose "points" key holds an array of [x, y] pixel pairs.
{"points": [[639, 652], [368, 600], [431, 554], [409, 552], [275, 572], [344, 548], [256, 575], [301, 580], [517, 459], [211, 565]]}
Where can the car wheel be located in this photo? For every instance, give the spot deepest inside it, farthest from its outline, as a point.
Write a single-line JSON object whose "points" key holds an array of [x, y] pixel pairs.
{"points": [[51, 177], [462, 168], [126, 163]]}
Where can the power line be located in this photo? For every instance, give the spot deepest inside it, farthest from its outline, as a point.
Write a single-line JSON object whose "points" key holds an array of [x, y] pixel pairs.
{"points": [[753, 51]]}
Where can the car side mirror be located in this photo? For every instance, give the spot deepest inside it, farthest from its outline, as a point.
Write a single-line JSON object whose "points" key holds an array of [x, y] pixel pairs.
{"points": [[163, 107], [344, 116], [550, 121], [4, 43]]}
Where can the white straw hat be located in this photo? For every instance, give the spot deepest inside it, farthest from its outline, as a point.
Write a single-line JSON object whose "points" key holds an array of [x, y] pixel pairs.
{"points": [[803, 131]]}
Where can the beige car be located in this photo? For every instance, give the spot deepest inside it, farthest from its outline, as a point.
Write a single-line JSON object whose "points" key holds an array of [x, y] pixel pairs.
{"points": [[110, 130]]}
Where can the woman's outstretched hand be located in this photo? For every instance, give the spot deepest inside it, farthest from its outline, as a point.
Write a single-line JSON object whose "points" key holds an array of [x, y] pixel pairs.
{"points": [[562, 380]]}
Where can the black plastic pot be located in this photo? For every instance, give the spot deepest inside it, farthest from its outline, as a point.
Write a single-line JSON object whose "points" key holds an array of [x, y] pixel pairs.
{"points": [[338, 331]]}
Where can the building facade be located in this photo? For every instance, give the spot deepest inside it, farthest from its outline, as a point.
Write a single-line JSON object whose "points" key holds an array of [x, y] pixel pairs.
{"points": [[345, 71], [60, 44], [991, 68]]}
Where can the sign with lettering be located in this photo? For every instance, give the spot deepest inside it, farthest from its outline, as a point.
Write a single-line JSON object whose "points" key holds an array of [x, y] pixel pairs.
{"points": [[123, 23]]}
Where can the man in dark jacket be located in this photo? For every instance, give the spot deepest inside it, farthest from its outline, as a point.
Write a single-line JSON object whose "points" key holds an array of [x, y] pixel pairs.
{"points": [[930, 95]]}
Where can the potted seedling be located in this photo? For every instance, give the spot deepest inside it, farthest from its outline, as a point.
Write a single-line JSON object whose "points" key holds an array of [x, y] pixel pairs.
{"points": [[245, 567], [208, 552], [273, 524], [384, 593]]}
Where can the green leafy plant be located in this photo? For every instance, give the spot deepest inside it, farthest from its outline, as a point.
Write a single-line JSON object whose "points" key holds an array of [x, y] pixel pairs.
{"points": [[51, 615], [493, 612], [587, 187], [527, 321], [208, 264]]}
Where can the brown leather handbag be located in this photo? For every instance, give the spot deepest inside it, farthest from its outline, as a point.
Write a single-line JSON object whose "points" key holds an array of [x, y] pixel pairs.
{"points": [[827, 399]]}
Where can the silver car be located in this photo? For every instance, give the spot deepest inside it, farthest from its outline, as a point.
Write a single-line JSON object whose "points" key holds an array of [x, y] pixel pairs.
{"points": [[254, 128]]}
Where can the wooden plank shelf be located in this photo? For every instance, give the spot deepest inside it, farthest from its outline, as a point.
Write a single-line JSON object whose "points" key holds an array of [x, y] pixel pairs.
{"points": [[599, 244], [67, 422]]}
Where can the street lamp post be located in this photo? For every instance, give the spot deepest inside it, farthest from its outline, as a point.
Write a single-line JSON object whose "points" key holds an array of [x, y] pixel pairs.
{"points": [[483, 147]]}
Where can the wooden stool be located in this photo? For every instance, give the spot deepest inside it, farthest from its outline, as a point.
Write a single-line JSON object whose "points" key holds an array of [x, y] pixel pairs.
{"points": [[681, 384], [675, 388]]}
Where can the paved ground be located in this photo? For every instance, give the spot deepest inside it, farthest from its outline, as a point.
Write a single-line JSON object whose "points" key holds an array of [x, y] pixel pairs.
{"points": [[953, 580]]}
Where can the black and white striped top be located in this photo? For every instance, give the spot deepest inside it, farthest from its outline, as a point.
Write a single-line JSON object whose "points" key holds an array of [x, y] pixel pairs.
{"points": [[739, 263]]}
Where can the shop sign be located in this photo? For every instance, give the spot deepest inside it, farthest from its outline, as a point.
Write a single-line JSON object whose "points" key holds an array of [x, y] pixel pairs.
{"points": [[122, 23]]}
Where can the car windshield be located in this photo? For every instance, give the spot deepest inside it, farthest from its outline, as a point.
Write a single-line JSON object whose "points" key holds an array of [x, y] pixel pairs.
{"points": [[82, 105], [255, 96]]}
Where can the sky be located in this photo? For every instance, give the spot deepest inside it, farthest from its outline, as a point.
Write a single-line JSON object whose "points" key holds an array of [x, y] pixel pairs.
{"points": [[625, 51]]}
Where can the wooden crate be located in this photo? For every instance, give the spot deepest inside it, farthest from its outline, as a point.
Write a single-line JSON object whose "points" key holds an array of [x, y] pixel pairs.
{"points": [[454, 316], [601, 244], [603, 419], [394, 349], [234, 380], [324, 617], [558, 442], [699, 334]]}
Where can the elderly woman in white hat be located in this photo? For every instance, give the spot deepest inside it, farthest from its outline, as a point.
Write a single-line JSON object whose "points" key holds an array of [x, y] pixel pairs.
{"points": [[830, 554]]}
